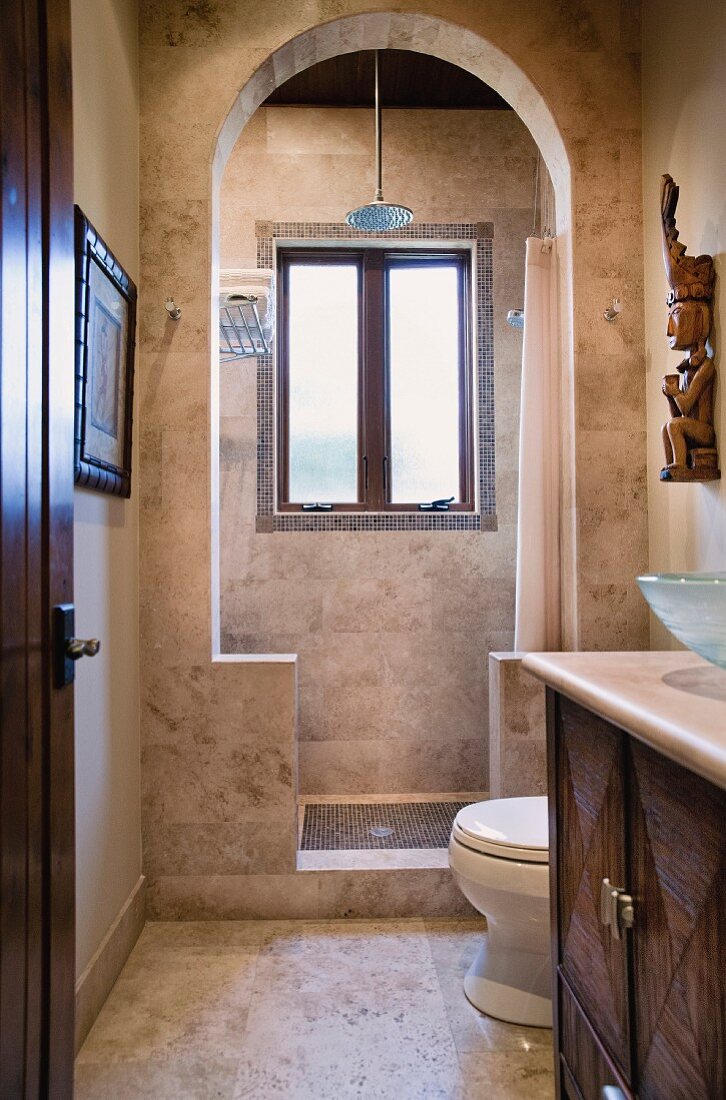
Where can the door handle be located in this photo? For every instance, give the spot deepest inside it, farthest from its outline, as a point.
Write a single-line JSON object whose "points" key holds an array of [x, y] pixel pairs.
{"points": [[82, 647], [67, 649], [616, 909]]}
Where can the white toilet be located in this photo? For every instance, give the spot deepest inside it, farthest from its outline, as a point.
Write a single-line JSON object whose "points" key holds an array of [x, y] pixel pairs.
{"points": [[498, 853]]}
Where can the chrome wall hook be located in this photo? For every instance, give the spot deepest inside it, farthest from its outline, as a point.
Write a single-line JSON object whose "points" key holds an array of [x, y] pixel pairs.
{"points": [[614, 310], [172, 309]]}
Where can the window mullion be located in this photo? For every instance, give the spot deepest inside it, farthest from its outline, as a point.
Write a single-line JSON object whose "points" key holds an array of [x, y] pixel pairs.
{"points": [[373, 368]]}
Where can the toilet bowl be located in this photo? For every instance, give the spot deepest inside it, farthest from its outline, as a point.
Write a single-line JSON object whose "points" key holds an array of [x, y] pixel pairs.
{"points": [[498, 854]]}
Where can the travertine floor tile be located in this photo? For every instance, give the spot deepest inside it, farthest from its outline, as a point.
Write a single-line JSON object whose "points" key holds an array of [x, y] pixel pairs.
{"points": [[348, 1008], [306, 1010], [454, 945], [508, 1076], [158, 1079], [186, 996]]}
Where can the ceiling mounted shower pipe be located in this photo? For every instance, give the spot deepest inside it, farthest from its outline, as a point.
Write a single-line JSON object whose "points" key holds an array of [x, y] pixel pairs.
{"points": [[379, 215]]}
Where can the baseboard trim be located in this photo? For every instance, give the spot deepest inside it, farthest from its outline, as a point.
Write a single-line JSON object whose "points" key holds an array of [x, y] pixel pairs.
{"points": [[97, 980]]}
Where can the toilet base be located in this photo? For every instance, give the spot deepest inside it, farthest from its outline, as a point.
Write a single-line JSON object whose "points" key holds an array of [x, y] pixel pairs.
{"points": [[511, 985]]}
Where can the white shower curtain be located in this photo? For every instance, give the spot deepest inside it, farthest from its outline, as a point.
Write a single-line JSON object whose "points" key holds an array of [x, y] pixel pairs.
{"points": [[537, 615]]}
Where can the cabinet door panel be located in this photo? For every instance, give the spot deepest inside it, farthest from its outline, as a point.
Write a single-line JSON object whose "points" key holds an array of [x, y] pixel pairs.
{"points": [[679, 887], [590, 847], [581, 1054]]}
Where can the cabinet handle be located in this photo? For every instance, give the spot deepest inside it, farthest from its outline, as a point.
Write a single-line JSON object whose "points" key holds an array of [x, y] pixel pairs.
{"points": [[616, 909]]}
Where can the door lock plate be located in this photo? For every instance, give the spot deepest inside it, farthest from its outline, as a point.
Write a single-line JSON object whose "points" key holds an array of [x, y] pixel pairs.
{"points": [[64, 622]]}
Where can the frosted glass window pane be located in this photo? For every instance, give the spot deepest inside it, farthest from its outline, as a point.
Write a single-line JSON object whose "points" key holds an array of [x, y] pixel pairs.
{"points": [[323, 383], [424, 383]]}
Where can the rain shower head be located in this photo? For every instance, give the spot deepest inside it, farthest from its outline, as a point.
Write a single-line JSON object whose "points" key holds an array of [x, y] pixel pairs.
{"points": [[379, 216]]}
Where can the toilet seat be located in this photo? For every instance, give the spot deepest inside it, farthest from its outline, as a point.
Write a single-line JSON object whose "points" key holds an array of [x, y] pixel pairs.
{"points": [[509, 828]]}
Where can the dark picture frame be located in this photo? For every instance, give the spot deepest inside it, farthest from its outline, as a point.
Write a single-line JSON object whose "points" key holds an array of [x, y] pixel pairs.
{"points": [[105, 352]]}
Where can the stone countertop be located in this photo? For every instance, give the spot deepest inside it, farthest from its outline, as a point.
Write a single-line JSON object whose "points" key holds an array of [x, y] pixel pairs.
{"points": [[673, 701]]}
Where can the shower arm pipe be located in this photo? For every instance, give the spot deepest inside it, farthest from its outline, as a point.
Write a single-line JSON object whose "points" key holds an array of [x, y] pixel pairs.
{"points": [[379, 137]]}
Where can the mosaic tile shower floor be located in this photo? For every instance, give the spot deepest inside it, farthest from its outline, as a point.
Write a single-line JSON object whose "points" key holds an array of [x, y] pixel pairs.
{"points": [[377, 825]]}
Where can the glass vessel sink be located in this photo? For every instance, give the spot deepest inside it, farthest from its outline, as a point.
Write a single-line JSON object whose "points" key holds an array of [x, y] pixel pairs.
{"points": [[693, 607]]}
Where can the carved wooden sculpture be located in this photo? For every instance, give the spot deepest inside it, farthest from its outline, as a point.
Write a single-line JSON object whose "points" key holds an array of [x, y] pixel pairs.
{"points": [[689, 438]]}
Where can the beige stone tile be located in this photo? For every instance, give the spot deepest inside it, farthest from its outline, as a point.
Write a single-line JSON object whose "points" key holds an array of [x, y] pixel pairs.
{"points": [[380, 712], [149, 475], [612, 546], [157, 1079], [175, 157], [486, 607], [221, 848], [419, 764], [454, 945], [232, 897], [202, 784], [508, 1076], [612, 616], [238, 388], [319, 1023], [524, 770], [166, 937], [329, 767], [211, 25], [157, 332], [174, 620], [443, 707], [420, 892], [254, 702], [175, 704], [275, 605], [619, 412], [173, 388], [369, 605], [173, 234], [192, 1002], [184, 471], [516, 729], [310, 131], [430, 764], [337, 956]]}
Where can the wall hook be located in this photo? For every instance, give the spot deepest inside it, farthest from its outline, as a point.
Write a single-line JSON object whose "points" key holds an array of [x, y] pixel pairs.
{"points": [[172, 309], [614, 309]]}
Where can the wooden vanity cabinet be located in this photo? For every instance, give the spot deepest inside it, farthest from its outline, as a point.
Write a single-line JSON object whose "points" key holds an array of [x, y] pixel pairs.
{"points": [[641, 1009]]}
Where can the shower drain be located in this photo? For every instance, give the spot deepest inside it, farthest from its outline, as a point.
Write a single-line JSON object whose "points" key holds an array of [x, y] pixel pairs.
{"points": [[381, 830]]}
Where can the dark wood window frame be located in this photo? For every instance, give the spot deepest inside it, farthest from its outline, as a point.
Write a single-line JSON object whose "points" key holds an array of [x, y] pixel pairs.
{"points": [[374, 428]]}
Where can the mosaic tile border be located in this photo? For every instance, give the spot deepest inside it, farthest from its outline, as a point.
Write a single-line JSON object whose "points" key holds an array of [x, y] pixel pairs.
{"points": [[484, 519], [346, 826]]}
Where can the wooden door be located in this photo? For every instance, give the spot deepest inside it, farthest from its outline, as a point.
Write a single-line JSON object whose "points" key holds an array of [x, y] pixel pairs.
{"points": [[590, 846], [679, 935], [36, 516]]}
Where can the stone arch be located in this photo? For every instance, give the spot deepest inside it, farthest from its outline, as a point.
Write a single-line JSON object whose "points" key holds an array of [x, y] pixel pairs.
{"points": [[471, 51]]}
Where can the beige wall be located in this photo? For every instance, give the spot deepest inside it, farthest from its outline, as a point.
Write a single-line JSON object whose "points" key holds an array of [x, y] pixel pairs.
{"points": [[684, 90], [394, 702], [572, 72], [106, 151]]}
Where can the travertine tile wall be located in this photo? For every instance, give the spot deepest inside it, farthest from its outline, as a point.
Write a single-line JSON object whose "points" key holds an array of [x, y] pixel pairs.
{"points": [[571, 70], [392, 630], [517, 736]]}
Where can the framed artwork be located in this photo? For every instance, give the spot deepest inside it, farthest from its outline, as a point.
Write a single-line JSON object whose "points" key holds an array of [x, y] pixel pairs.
{"points": [[105, 345]]}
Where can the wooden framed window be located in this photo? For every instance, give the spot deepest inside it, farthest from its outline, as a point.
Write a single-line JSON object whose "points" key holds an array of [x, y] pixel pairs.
{"points": [[374, 379]]}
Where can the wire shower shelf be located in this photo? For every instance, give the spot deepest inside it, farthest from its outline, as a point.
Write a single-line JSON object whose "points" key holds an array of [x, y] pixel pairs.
{"points": [[240, 329]]}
